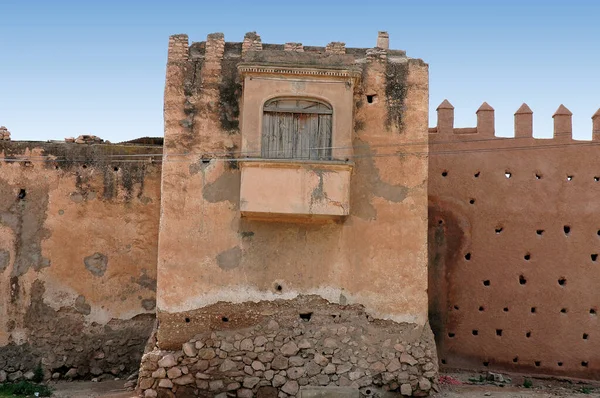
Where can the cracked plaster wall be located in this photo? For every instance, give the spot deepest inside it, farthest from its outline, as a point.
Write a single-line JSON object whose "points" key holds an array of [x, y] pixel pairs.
{"points": [[377, 257], [78, 241]]}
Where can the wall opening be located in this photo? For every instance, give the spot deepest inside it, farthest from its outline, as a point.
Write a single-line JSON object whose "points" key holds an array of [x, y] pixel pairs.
{"points": [[22, 194], [372, 98], [305, 316], [562, 281]]}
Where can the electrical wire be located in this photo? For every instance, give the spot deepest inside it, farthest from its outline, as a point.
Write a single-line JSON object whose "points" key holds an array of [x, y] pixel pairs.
{"points": [[244, 155]]}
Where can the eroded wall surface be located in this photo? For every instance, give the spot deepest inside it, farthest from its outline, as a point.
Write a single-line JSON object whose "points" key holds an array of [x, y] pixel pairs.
{"points": [[218, 271], [514, 241], [78, 247]]}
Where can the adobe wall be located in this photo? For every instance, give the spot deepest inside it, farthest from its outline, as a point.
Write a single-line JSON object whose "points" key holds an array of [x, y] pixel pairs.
{"points": [[266, 307], [514, 238], [78, 239]]}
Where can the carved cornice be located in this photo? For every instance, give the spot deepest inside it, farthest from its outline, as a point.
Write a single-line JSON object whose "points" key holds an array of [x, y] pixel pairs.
{"points": [[297, 71]]}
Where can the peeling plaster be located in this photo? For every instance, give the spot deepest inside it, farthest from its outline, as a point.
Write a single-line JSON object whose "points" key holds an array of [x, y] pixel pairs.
{"points": [[243, 293]]}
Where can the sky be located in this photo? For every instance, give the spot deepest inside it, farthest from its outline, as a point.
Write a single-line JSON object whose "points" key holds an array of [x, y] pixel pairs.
{"points": [[97, 67]]}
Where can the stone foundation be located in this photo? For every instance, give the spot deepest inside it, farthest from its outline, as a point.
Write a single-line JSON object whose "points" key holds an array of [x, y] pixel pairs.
{"points": [[294, 348], [66, 350]]}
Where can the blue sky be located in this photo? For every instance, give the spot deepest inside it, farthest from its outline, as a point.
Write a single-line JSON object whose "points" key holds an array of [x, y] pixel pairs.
{"points": [[97, 67]]}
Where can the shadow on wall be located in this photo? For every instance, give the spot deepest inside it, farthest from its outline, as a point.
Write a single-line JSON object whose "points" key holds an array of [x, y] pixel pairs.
{"points": [[448, 234]]}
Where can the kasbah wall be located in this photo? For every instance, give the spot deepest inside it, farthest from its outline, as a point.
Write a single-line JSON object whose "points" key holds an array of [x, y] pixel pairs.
{"points": [[269, 307], [78, 239], [514, 239]]}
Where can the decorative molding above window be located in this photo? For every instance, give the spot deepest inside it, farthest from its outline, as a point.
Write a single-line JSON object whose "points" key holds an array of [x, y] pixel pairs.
{"points": [[298, 71]]}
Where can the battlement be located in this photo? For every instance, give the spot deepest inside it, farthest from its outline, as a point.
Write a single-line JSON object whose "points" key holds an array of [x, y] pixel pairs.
{"points": [[563, 127], [253, 49]]}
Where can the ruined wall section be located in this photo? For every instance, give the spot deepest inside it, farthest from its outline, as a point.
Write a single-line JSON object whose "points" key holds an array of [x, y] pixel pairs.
{"points": [[78, 237], [215, 267], [514, 240]]}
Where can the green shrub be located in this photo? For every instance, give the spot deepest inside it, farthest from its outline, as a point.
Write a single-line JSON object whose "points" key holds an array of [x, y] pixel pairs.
{"points": [[38, 376], [25, 388]]}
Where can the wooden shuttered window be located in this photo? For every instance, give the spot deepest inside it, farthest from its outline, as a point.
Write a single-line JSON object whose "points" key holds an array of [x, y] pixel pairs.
{"points": [[296, 129]]}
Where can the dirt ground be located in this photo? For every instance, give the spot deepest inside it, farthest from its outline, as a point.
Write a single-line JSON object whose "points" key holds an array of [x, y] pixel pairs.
{"points": [[467, 385], [472, 384]]}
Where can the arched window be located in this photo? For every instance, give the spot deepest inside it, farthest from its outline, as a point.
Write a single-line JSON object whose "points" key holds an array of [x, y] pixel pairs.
{"points": [[296, 128]]}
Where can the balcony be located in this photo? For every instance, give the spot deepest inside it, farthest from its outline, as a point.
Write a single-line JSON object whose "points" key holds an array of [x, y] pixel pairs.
{"points": [[292, 190]]}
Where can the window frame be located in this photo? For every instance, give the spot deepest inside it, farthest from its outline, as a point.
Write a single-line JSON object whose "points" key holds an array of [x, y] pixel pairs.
{"points": [[310, 116]]}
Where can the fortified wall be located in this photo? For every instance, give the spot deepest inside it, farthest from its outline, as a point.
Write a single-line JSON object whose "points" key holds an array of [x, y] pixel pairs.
{"points": [[514, 238], [292, 248], [78, 248]]}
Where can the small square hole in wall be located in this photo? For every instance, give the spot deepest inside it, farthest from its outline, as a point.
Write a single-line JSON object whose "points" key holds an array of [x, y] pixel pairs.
{"points": [[538, 363], [594, 257], [596, 179], [569, 178], [475, 332], [585, 336], [538, 176], [507, 174], [592, 311], [476, 175], [371, 98], [562, 281], [540, 232], [499, 332], [528, 334]]}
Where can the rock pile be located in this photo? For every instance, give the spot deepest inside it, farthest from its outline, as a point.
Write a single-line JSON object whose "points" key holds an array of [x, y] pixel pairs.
{"points": [[4, 134], [269, 360], [85, 139]]}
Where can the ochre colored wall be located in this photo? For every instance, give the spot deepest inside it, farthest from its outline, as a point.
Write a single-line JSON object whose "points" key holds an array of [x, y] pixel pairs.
{"points": [[498, 247], [207, 253], [78, 239]]}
